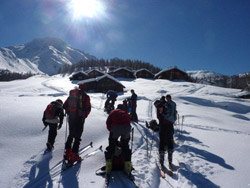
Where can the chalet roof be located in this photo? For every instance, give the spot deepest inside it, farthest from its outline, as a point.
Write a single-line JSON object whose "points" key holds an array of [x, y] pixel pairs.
{"points": [[97, 79], [92, 70], [79, 72], [165, 70], [121, 68], [143, 69]]}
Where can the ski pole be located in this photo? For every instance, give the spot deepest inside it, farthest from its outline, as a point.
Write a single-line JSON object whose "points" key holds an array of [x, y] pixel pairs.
{"points": [[132, 130], [67, 118], [147, 136], [44, 128]]}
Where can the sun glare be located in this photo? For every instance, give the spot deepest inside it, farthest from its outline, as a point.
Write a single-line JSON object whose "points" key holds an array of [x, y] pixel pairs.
{"points": [[85, 8]]}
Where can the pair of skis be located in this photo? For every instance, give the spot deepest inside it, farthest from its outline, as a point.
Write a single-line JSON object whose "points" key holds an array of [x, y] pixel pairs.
{"points": [[66, 166]]}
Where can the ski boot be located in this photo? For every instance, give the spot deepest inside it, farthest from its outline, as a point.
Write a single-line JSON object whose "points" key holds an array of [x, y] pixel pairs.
{"points": [[75, 158], [67, 155], [50, 147], [108, 166], [127, 167]]}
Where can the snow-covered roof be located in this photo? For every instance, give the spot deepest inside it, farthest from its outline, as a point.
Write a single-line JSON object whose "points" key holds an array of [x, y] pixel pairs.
{"points": [[157, 74], [79, 72], [97, 79], [121, 68], [95, 70], [143, 69]]}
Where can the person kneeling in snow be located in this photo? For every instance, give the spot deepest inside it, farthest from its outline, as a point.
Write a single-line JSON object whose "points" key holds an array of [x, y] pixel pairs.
{"points": [[53, 117], [118, 123]]}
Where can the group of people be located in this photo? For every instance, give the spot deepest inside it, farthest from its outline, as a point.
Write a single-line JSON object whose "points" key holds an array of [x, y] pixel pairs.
{"points": [[78, 107], [129, 104]]}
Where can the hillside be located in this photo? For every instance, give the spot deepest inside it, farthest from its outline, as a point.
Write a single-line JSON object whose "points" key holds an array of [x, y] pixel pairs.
{"points": [[211, 146], [45, 55]]}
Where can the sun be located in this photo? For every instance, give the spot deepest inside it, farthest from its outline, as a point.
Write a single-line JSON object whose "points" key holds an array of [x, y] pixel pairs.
{"points": [[85, 8]]}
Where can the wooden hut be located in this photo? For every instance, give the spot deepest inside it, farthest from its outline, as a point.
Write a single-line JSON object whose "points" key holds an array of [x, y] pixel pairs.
{"points": [[95, 73], [122, 73], [143, 73], [172, 74], [79, 76], [103, 84]]}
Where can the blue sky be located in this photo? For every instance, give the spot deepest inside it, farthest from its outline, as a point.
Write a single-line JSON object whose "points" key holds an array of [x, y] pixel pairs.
{"points": [[190, 34]]}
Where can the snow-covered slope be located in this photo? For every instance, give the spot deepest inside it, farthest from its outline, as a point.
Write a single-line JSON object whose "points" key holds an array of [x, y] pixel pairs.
{"points": [[45, 55], [211, 148], [200, 74]]}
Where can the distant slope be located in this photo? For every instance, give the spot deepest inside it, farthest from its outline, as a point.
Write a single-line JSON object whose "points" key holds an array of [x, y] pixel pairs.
{"points": [[45, 55]]}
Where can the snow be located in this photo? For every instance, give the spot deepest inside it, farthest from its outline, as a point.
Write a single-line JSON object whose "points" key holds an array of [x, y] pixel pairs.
{"points": [[211, 146]]}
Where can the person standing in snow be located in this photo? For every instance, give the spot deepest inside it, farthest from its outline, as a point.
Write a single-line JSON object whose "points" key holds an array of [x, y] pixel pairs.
{"points": [[77, 107], [133, 100], [53, 117], [110, 102], [166, 114], [118, 123]]}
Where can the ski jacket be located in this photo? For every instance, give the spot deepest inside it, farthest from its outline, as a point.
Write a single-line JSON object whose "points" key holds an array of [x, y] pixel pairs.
{"points": [[54, 113], [170, 111], [77, 104], [118, 117]]}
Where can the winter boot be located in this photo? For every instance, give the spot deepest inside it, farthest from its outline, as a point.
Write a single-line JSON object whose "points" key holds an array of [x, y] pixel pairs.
{"points": [[67, 154], [75, 157], [50, 146], [108, 166], [127, 167], [161, 157]]}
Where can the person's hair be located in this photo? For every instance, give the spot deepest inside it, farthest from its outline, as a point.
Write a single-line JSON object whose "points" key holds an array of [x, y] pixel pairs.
{"points": [[168, 96], [132, 90]]}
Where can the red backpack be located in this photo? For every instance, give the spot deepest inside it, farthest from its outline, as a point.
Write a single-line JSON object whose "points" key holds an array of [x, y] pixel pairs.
{"points": [[50, 111], [75, 101]]}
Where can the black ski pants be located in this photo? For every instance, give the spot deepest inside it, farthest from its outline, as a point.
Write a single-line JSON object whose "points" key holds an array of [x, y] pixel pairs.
{"points": [[52, 133], [76, 124], [134, 116], [166, 134]]}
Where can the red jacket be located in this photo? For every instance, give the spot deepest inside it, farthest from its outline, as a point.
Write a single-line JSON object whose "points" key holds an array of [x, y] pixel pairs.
{"points": [[118, 117]]}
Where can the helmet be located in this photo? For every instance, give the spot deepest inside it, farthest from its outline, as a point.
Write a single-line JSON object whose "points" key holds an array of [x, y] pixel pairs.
{"points": [[82, 86]]}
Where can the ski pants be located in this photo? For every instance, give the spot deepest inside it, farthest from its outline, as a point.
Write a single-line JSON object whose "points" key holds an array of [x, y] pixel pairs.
{"points": [[166, 133], [52, 133], [115, 133], [76, 124], [133, 113]]}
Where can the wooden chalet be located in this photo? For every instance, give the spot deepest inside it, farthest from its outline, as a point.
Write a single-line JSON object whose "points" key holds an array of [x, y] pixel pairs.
{"points": [[95, 73], [103, 84], [143, 73], [172, 74], [79, 76], [122, 73]]}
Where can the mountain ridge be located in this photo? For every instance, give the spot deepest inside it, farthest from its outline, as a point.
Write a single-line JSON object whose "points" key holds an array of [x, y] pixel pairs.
{"points": [[41, 55]]}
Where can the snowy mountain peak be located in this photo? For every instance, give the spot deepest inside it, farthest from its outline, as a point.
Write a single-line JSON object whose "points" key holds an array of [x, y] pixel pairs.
{"points": [[44, 55]]}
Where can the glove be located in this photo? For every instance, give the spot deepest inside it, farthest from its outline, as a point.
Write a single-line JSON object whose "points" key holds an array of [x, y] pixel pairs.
{"points": [[59, 126]]}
